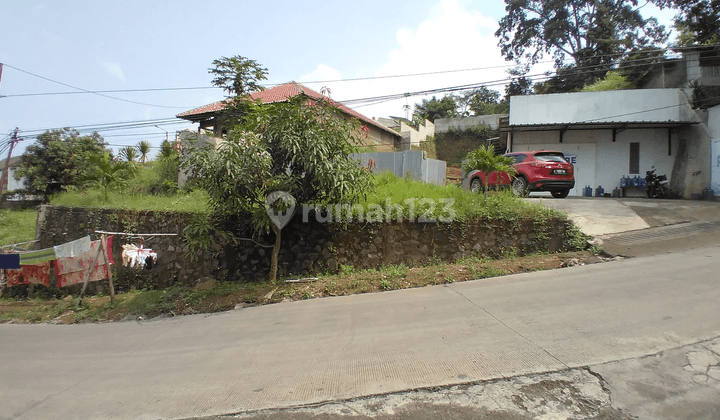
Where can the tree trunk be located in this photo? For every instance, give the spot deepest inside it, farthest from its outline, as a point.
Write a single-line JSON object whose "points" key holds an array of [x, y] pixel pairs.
{"points": [[274, 259]]}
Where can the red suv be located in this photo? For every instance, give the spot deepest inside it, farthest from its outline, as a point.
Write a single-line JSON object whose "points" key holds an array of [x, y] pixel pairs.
{"points": [[536, 171]]}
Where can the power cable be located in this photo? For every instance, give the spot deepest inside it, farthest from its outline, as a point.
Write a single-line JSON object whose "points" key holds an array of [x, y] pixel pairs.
{"points": [[112, 91], [88, 91]]}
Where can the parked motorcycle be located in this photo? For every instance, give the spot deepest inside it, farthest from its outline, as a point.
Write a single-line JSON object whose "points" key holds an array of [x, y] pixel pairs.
{"points": [[657, 185]]}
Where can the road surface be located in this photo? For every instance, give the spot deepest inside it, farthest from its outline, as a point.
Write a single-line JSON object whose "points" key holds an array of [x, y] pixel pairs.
{"points": [[336, 348]]}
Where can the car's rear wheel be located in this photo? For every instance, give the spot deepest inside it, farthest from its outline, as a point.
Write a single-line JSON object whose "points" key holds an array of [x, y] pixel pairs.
{"points": [[475, 185], [520, 186], [560, 193]]}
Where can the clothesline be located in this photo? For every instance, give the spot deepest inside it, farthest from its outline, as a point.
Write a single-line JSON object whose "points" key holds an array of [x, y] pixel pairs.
{"points": [[135, 234], [19, 243]]}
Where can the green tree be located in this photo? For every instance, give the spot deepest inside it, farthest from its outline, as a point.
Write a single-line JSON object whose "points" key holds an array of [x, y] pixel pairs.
{"points": [[105, 174], [299, 146], [484, 159], [434, 108], [238, 75], [593, 34], [613, 81], [143, 147], [57, 159], [698, 22], [481, 101]]}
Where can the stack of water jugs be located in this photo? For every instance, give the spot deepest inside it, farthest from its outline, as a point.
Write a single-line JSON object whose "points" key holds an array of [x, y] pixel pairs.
{"points": [[636, 181]]}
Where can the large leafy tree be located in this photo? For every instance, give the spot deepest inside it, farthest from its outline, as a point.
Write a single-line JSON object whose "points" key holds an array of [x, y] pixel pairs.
{"points": [[58, 159], [592, 34], [238, 75], [300, 147], [432, 109], [482, 101], [698, 22]]}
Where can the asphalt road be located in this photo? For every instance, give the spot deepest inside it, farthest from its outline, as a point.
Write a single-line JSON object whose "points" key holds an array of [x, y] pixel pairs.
{"points": [[335, 348]]}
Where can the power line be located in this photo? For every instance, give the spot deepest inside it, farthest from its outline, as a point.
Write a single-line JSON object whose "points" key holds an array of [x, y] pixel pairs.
{"points": [[88, 91], [112, 91]]}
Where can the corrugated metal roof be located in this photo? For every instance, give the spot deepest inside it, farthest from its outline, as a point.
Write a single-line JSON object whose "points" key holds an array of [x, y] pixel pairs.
{"points": [[278, 94]]}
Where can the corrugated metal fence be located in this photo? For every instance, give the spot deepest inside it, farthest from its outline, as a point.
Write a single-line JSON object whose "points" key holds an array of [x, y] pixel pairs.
{"points": [[410, 162]]}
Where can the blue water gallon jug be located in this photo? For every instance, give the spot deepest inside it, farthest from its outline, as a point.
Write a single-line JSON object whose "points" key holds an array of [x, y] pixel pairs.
{"points": [[588, 191], [599, 191], [623, 182]]}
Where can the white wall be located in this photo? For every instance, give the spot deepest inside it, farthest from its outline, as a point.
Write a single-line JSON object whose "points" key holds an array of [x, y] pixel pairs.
{"points": [[443, 125], [598, 160], [714, 128], [13, 184], [656, 105], [416, 136]]}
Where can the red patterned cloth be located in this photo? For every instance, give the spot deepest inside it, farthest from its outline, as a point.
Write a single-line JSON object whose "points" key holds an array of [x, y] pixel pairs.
{"points": [[34, 273], [37, 273], [73, 270], [14, 277]]}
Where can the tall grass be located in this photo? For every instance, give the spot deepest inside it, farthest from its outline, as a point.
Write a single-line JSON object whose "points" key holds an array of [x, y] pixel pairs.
{"points": [[407, 192], [17, 226], [145, 190], [191, 202]]}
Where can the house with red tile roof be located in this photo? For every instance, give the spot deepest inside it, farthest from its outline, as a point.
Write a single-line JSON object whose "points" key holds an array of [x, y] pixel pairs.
{"points": [[374, 134]]}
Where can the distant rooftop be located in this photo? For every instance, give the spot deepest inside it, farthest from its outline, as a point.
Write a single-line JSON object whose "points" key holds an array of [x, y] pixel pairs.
{"points": [[278, 93]]}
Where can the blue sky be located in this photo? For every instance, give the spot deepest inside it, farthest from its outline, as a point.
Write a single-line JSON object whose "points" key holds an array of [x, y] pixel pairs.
{"points": [[116, 45]]}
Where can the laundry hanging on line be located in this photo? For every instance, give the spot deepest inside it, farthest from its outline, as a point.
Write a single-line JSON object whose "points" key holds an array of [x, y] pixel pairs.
{"points": [[138, 257], [30, 274], [9, 261], [74, 270], [73, 249]]}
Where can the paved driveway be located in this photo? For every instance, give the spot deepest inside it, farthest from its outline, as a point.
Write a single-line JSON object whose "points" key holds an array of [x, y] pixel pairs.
{"points": [[607, 216]]}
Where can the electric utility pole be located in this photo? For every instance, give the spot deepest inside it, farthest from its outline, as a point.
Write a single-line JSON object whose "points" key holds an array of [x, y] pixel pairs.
{"points": [[5, 175]]}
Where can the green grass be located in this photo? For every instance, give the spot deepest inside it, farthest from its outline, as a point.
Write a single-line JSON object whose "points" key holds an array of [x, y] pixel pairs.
{"points": [[466, 205], [192, 202], [142, 192], [17, 226]]}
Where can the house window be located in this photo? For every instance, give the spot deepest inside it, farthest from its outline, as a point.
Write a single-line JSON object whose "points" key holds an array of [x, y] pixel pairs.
{"points": [[634, 158]]}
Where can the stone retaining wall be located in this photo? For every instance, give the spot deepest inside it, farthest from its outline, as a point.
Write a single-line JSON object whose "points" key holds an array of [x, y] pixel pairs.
{"points": [[307, 248]]}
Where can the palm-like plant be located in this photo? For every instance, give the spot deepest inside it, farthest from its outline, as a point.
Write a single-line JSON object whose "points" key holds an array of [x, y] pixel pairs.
{"points": [[144, 148], [485, 160], [129, 154], [106, 174], [166, 150]]}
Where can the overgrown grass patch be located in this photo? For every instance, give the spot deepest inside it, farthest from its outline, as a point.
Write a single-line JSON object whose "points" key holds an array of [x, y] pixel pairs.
{"points": [[17, 226], [417, 198], [192, 202]]}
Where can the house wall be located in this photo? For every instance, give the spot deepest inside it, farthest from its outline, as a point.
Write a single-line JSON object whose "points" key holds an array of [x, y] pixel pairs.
{"points": [[708, 75], [657, 105], [598, 160], [668, 74], [714, 132], [12, 183], [443, 125], [415, 137], [380, 140]]}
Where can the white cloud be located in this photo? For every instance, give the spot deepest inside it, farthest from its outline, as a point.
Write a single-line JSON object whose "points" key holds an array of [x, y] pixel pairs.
{"points": [[454, 39], [115, 70]]}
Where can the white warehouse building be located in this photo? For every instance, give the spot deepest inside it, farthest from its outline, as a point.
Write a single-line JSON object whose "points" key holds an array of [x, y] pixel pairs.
{"points": [[612, 134]]}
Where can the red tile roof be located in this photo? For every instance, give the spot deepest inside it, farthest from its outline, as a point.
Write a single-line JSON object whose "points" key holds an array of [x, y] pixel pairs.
{"points": [[278, 94]]}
